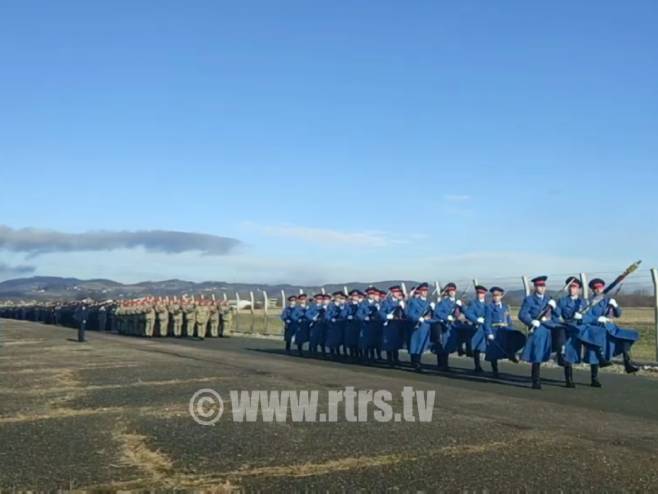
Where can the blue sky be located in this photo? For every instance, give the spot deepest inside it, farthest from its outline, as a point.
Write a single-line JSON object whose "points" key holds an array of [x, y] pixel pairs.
{"points": [[335, 141]]}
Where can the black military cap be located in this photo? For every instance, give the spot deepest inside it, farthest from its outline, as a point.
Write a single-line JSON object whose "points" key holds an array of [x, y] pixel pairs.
{"points": [[596, 282], [572, 280], [539, 280], [291, 298], [480, 288], [496, 289], [422, 286]]}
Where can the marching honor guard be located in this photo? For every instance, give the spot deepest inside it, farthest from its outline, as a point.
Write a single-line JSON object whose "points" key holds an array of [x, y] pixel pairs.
{"points": [[298, 316], [286, 317], [566, 340], [315, 317], [503, 341], [352, 324], [368, 315], [335, 324], [601, 331], [475, 312], [392, 313], [447, 319], [536, 312], [419, 312]]}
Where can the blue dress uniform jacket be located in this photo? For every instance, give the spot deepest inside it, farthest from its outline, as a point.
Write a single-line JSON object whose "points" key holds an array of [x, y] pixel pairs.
{"points": [[538, 348], [335, 326], [473, 312], [299, 324], [368, 314], [317, 325], [392, 314], [352, 325], [614, 339], [564, 315], [288, 329], [507, 341], [420, 331]]}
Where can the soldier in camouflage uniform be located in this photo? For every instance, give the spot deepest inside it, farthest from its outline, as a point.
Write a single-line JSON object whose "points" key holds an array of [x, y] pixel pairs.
{"points": [[163, 317], [176, 313], [215, 317], [226, 320], [149, 318], [202, 316], [189, 311]]}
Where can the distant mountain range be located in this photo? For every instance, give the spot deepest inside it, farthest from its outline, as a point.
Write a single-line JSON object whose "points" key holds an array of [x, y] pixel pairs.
{"points": [[53, 287]]}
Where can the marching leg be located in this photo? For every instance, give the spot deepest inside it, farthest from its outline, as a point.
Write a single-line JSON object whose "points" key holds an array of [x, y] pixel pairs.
{"points": [[476, 361], [595, 376], [494, 368], [629, 367], [568, 376], [536, 377]]}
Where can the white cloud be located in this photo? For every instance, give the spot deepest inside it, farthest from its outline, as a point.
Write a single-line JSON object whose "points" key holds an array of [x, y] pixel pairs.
{"points": [[456, 198]]}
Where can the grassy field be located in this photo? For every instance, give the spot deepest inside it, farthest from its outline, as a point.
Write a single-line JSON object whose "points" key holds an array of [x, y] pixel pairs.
{"points": [[641, 319]]}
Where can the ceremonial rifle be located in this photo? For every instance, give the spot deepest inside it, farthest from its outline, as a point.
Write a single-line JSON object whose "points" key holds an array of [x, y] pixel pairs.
{"points": [[618, 281], [548, 308]]}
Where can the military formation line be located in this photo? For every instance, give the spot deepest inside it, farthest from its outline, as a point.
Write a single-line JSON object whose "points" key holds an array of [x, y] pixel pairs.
{"points": [[148, 316], [359, 326]]}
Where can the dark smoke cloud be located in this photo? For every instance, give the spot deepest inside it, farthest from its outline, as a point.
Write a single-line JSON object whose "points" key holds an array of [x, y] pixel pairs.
{"points": [[34, 241], [7, 271]]}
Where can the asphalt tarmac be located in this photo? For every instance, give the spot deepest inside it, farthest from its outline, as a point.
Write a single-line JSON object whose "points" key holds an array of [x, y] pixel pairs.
{"points": [[113, 413]]}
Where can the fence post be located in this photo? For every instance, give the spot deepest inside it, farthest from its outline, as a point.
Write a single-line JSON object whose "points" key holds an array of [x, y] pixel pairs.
{"points": [[654, 277], [283, 299], [266, 304], [583, 280], [526, 285], [237, 312]]}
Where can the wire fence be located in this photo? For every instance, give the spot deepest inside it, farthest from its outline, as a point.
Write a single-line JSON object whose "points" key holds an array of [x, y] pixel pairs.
{"points": [[258, 312]]}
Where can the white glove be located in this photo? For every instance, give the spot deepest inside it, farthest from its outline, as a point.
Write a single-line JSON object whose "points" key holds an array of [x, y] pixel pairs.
{"points": [[389, 316], [450, 318], [288, 321], [577, 316], [401, 303], [459, 303], [535, 323], [544, 319], [349, 318], [552, 303], [603, 319], [333, 319], [480, 320], [613, 302], [367, 318], [432, 305], [490, 337], [421, 319]]}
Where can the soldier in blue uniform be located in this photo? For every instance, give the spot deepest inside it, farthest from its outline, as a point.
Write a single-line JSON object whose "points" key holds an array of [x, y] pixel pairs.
{"points": [[352, 324], [368, 315], [536, 313], [566, 341], [474, 313], [288, 328], [316, 323], [335, 324], [448, 322], [391, 311], [300, 324], [419, 312], [81, 316], [603, 333], [503, 341]]}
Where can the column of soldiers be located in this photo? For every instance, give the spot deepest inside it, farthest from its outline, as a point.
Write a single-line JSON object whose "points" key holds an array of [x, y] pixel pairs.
{"points": [[149, 316], [359, 326]]}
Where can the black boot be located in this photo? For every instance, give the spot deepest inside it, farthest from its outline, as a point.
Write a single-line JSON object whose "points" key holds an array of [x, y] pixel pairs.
{"points": [[494, 368], [476, 361], [536, 377], [300, 351], [629, 367], [287, 347], [595, 376], [415, 361], [568, 376]]}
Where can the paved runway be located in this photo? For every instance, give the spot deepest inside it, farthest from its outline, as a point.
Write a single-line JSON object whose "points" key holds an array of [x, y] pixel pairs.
{"points": [[113, 413]]}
